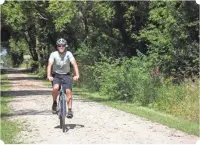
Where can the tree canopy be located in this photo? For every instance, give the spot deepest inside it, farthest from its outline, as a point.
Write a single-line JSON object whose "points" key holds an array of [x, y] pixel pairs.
{"points": [[165, 31]]}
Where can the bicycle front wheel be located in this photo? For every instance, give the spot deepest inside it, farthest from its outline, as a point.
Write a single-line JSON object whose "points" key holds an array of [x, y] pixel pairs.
{"points": [[63, 113], [61, 122]]}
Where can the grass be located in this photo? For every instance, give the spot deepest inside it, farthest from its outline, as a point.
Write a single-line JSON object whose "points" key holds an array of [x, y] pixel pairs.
{"points": [[179, 100], [8, 129], [156, 116]]}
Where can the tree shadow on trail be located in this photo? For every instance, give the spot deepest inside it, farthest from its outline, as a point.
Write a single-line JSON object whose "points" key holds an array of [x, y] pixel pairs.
{"points": [[26, 93], [23, 78], [16, 71], [70, 126], [19, 71], [26, 112]]}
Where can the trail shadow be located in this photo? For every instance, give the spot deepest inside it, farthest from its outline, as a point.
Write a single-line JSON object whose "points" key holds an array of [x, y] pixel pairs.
{"points": [[19, 71], [70, 126], [26, 112], [4, 86], [4, 83], [23, 78], [25, 93], [16, 70]]}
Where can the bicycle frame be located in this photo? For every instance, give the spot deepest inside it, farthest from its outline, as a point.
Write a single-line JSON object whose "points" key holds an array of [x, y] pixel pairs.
{"points": [[62, 108]]}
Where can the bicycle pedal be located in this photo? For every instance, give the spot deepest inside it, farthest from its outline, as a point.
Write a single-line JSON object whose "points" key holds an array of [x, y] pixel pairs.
{"points": [[69, 116]]}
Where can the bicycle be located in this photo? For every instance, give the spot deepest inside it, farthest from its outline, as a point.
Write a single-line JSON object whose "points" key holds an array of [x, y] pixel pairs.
{"points": [[61, 109]]}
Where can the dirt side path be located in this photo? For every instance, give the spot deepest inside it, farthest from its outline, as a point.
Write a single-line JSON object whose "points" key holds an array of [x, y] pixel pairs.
{"points": [[92, 122]]}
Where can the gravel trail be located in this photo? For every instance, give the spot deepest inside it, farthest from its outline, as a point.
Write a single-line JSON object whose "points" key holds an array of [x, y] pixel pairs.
{"points": [[93, 123]]}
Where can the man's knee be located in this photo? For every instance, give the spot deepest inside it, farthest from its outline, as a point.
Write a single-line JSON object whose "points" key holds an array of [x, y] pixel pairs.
{"points": [[56, 87], [69, 93]]}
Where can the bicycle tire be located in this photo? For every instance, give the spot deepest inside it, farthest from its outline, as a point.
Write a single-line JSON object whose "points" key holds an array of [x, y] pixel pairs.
{"points": [[63, 112], [59, 110], [61, 124]]}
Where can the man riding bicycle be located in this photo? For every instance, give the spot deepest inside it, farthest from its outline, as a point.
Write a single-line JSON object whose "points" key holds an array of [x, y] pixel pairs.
{"points": [[58, 72]]}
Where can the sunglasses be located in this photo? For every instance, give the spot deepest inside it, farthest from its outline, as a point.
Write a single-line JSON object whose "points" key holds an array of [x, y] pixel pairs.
{"points": [[61, 45]]}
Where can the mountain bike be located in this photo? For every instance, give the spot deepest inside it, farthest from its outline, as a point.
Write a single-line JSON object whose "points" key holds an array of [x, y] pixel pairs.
{"points": [[61, 109]]}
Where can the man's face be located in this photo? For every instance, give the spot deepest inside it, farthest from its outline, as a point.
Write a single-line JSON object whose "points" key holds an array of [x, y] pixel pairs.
{"points": [[61, 48]]}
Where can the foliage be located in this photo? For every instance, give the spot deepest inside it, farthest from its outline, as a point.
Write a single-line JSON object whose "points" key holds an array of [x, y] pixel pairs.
{"points": [[62, 13], [123, 79], [127, 80], [17, 50], [17, 18], [166, 31], [34, 66], [42, 72], [173, 38], [85, 61]]}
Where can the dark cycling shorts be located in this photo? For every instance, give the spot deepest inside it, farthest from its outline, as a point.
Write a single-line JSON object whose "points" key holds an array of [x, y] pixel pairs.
{"points": [[62, 79]]}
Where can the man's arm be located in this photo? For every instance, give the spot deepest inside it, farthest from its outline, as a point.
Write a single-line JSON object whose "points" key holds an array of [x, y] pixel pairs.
{"points": [[75, 66], [49, 67]]}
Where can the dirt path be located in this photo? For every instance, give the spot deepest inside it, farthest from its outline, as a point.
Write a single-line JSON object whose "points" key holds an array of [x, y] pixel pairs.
{"points": [[92, 122]]}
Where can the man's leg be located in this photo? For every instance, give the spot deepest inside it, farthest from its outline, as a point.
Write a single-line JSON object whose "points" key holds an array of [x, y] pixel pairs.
{"points": [[69, 98], [69, 103], [55, 92], [67, 85]]}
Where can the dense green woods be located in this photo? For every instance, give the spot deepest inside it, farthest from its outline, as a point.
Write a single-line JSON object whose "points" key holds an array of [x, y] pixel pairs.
{"points": [[139, 51]]}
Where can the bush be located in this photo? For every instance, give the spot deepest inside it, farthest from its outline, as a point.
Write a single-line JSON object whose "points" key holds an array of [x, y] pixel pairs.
{"points": [[85, 61], [2, 71], [34, 66], [120, 79], [42, 72], [126, 79]]}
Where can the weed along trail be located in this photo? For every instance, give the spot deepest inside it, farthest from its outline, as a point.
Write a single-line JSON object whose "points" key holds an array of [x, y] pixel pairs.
{"points": [[92, 122]]}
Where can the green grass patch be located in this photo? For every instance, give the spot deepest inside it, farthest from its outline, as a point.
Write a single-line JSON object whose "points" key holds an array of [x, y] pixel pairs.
{"points": [[8, 129], [179, 100], [160, 117]]}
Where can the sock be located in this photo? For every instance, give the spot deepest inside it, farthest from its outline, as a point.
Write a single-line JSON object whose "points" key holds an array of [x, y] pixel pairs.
{"points": [[54, 102], [69, 109]]}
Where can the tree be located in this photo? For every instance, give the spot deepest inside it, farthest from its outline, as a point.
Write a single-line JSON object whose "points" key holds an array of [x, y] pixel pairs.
{"points": [[172, 37]]}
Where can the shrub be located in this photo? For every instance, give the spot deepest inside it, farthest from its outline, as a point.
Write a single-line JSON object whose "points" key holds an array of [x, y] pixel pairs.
{"points": [[126, 79], [34, 65], [42, 72]]}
